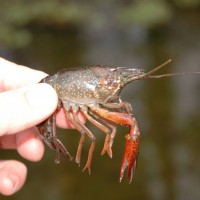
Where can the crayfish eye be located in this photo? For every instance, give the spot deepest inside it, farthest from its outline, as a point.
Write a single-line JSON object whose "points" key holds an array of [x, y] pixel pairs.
{"points": [[124, 73]]}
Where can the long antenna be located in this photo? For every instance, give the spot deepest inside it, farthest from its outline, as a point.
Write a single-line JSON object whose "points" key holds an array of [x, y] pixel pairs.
{"points": [[157, 68], [148, 74], [174, 74]]}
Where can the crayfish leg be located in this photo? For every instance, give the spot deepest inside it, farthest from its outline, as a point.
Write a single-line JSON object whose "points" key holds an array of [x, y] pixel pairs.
{"points": [[89, 160], [109, 138], [106, 130], [60, 150], [83, 129], [47, 130], [82, 139]]}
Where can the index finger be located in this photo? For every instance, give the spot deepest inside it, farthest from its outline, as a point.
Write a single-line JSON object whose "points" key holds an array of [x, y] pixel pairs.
{"points": [[13, 76]]}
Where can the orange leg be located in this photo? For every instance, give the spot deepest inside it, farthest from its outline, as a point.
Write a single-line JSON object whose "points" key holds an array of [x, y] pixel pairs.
{"points": [[132, 139], [106, 147], [110, 134], [125, 106], [109, 140]]}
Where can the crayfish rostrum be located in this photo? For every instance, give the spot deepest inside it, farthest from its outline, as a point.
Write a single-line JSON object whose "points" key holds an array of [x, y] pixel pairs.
{"points": [[95, 92]]}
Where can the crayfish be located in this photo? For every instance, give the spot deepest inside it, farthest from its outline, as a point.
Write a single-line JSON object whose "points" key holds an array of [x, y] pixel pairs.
{"points": [[95, 92]]}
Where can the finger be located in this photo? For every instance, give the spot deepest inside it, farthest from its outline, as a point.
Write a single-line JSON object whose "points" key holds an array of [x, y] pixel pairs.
{"points": [[62, 122], [14, 76], [12, 176], [23, 108], [8, 142], [29, 145]]}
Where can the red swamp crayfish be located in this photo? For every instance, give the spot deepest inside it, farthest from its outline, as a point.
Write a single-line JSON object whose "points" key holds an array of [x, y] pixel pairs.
{"points": [[95, 92]]}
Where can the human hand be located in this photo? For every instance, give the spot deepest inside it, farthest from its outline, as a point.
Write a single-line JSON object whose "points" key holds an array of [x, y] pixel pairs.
{"points": [[23, 104]]}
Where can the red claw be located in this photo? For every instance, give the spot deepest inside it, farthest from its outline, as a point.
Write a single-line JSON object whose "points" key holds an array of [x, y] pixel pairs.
{"points": [[132, 139], [130, 153]]}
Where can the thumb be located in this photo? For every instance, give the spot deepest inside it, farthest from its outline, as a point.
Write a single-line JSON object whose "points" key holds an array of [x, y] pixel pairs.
{"points": [[23, 108]]}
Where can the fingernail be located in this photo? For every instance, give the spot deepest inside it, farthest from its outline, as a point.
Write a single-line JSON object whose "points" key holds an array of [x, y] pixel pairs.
{"points": [[14, 180], [10, 184], [42, 96], [7, 184]]}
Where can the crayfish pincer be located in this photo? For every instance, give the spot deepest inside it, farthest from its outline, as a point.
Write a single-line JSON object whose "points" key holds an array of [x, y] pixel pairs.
{"points": [[95, 92]]}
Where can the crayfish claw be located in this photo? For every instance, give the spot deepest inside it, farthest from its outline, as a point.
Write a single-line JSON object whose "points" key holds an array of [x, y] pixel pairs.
{"points": [[123, 167], [130, 171], [110, 142], [60, 150], [88, 168], [108, 150], [131, 153], [89, 160], [107, 146]]}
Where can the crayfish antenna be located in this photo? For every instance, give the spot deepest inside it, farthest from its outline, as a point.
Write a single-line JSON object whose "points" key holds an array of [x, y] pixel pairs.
{"points": [[148, 74], [174, 74]]}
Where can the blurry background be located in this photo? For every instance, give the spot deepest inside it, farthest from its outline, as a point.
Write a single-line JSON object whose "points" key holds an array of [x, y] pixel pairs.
{"points": [[50, 35]]}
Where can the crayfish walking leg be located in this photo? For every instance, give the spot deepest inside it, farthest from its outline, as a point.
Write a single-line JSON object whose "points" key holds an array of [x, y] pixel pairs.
{"points": [[132, 139], [109, 134], [47, 130]]}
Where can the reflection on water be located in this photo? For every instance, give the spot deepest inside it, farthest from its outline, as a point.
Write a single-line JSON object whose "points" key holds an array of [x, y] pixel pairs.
{"points": [[167, 111]]}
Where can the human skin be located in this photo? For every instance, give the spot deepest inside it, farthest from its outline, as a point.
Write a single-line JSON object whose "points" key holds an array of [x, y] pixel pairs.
{"points": [[24, 103]]}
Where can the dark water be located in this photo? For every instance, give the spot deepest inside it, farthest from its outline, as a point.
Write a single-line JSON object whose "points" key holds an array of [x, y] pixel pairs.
{"points": [[167, 110]]}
